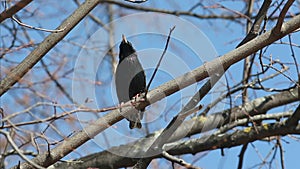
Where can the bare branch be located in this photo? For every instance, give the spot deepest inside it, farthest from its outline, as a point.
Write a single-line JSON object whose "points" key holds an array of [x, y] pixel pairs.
{"points": [[179, 161], [278, 27], [241, 156], [13, 144], [160, 59], [60, 87], [40, 29], [281, 152], [14, 9]]}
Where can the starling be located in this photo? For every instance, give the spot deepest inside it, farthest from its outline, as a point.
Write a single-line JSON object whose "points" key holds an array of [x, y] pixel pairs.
{"points": [[130, 80]]}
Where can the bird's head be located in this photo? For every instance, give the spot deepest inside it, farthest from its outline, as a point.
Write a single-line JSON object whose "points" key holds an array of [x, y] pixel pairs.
{"points": [[126, 48]]}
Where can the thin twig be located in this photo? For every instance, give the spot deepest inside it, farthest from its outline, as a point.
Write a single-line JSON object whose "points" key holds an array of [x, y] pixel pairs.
{"points": [[247, 62], [58, 116], [36, 28], [279, 71], [13, 144], [229, 95], [111, 41], [281, 152], [295, 60], [237, 88], [60, 87], [234, 11], [276, 9], [241, 156], [179, 161], [158, 64]]}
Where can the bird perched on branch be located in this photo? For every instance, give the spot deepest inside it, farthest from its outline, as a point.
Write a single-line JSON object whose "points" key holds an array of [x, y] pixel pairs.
{"points": [[130, 80]]}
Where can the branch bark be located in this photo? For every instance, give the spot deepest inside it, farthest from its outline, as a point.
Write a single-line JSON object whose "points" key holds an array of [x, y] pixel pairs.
{"points": [[13, 10], [282, 14]]}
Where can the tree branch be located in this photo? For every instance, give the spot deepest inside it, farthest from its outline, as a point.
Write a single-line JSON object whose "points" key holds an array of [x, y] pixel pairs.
{"points": [[293, 120], [257, 106], [236, 138], [241, 156], [13, 10], [281, 17], [179, 161], [211, 142]]}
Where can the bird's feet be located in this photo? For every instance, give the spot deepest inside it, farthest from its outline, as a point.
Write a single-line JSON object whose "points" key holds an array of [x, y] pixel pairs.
{"points": [[135, 99]]}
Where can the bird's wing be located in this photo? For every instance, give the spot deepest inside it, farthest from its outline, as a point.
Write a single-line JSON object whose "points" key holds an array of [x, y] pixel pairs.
{"points": [[122, 82], [130, 78]]}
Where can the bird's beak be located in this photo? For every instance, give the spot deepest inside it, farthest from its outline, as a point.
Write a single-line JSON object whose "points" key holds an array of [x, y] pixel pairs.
{"points": [[124, 38]]}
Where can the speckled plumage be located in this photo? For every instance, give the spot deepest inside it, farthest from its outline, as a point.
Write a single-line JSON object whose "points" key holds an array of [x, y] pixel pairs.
{"points": [[130, 80]]}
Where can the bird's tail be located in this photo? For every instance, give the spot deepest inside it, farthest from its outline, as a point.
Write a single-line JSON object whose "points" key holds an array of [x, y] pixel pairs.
{"points": [[135, 124], [135, 120]]}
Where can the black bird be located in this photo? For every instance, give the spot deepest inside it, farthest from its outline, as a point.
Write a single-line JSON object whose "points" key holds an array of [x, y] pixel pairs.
{"points": [[130, 80]]}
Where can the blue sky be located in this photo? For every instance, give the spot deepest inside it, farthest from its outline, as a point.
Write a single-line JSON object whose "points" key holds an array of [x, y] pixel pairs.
{"points": [[194, 41]]}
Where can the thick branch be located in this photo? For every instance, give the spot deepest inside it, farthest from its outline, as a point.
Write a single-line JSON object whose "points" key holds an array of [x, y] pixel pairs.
{"points": [[13, 10], [254, 107], [237, 138], [240, 137]]}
